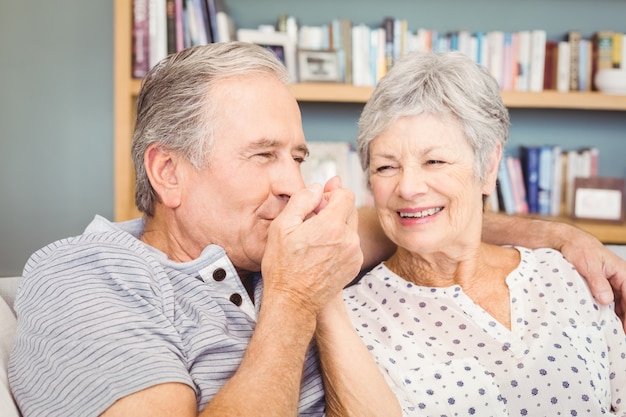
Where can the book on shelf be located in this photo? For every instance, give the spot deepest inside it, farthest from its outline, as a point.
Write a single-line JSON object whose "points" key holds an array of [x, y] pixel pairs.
{"points": [[314, 37], [495, 39], [529, 155], [602, 46], [345, 26], [482, 49], [537, 59], [361, 69], [377, 54], [339, 44], [505, 188], [516, 176], [573, 39], [556, 196], [585, 65], [618, 50], [196, 23], [212, 7], [157, 23], [579, 163], [179, 24], [509, 61], [226, 28], [563, 67], [170, 14], [551, 65], [523, 61], [388, 26], [544, 182], [140, 38]]}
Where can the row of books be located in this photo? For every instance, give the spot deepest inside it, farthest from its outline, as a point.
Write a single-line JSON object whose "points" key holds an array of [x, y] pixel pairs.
{"points": [[520, 61], [541, 179], [161, 27]]}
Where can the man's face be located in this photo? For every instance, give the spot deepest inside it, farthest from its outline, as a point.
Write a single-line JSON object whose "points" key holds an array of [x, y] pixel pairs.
{"points": [[254, 169]]}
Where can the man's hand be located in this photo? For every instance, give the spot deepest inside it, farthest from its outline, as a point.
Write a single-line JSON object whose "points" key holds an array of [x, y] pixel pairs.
{"points": [[604, 270], [313, 249]]}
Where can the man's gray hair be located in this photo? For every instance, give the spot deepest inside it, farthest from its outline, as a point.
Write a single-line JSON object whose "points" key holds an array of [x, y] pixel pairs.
{"points": [[176, 108]]}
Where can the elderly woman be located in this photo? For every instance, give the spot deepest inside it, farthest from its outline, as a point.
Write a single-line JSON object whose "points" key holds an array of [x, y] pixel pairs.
{"points": [[458, 326]]}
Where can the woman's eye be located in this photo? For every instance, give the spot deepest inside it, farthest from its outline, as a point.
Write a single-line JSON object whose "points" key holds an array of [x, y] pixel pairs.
{"points": [[385, 170], [434, 162]]}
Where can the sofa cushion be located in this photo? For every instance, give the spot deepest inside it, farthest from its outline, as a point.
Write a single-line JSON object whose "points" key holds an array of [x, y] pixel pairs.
{"points": [[7, 334]]}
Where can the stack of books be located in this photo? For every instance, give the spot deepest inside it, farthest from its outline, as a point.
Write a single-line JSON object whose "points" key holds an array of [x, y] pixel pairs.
{"points": [[541, 179]]}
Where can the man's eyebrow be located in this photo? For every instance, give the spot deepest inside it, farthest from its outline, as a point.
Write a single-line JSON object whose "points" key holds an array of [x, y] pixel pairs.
{"points": [[303, 149], [273, 143], [263, 143]]}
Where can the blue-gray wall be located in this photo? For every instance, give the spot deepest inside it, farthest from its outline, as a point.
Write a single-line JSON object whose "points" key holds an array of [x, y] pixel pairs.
{"points": [[56, 98], [56, 113]]}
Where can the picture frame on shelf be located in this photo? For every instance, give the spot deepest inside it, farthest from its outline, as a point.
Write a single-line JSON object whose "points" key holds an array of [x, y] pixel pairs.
{"points": [[599, 198], [319, 66], [280, 43]]}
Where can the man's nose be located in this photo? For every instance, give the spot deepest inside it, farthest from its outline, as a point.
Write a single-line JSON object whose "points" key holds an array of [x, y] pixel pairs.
{"points": [[288, 179]]}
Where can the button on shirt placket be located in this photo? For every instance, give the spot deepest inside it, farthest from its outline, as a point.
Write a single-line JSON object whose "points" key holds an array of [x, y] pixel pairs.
{"points": [[222, 279]]}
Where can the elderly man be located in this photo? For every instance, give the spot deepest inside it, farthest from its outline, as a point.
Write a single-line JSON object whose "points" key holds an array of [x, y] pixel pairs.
{"points": [[210, 303]]}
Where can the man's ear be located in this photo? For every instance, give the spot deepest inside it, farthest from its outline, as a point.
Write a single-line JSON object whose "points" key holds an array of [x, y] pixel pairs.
{"points": [[162, 170], [491, 170]]}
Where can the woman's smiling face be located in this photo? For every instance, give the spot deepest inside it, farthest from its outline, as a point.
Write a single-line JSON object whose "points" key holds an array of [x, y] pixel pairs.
{"points": [[426, 192]]}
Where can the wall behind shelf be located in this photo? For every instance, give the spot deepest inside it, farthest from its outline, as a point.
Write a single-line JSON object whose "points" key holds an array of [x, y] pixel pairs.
{"points": [[555, 16], [56, 122]]}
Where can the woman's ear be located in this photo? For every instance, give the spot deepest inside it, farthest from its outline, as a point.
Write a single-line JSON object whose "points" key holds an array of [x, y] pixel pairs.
{"points": [[162, 170], [491, 170]]}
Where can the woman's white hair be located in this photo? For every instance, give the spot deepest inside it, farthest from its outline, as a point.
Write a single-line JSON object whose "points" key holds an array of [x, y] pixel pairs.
{"points": [[447, 85]]}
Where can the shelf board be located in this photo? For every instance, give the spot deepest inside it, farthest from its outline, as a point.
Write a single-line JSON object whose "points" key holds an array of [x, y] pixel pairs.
{"points": [[551, 99], [346, 93], [135, 85], [330, 92], [608, 233]]}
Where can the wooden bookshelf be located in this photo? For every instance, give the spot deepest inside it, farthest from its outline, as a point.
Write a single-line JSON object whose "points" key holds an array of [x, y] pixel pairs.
{"points": [[606, 232], [344, 93], [330, 92], [126, 89]]}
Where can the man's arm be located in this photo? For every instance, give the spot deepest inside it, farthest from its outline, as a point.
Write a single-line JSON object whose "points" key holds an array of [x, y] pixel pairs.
{"points": [[375, 245], [267, 383], [353, 382], [602, 268], [306, 263]]}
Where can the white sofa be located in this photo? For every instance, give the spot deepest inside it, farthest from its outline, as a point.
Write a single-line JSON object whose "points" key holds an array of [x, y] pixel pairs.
{"points": [[8, 287]]}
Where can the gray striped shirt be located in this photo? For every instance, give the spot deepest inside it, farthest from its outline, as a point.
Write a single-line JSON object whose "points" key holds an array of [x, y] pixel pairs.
{"points": [[102, 315]]}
